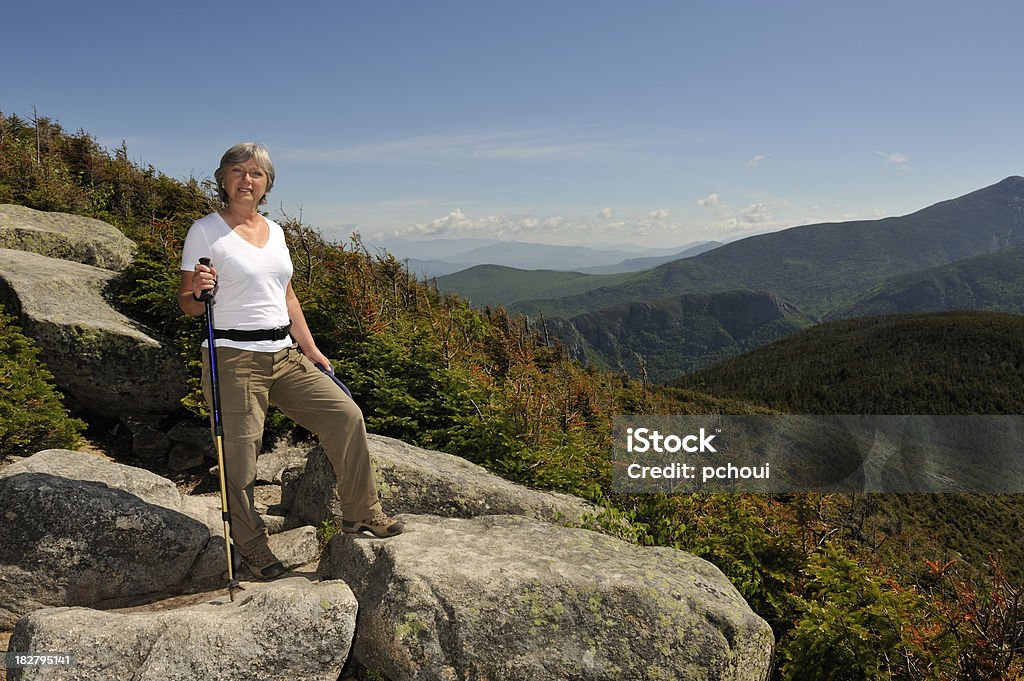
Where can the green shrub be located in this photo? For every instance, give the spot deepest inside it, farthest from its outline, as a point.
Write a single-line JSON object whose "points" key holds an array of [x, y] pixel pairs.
{"points": [[855, 624], [751, 538], [32, 416]]}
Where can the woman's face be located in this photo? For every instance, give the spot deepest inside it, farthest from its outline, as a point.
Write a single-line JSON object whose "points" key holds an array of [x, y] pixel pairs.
{"points": [[245, 182]]}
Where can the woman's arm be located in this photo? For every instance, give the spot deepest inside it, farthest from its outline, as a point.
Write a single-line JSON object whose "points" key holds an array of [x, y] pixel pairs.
{"points": [[300, 330]]}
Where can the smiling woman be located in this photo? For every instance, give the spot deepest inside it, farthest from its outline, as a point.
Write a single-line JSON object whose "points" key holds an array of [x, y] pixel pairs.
{"points": [[265, 354]]}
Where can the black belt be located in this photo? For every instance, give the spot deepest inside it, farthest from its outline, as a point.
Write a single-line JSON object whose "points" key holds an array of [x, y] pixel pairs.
{"points": [[275, 334]]}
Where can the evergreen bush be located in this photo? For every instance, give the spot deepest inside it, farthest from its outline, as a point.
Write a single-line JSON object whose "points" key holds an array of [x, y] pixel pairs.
{"points": [[32, 415]]}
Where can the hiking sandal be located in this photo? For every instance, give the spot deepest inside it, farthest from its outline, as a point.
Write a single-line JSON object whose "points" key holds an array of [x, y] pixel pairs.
{"points": [[380, 526]]}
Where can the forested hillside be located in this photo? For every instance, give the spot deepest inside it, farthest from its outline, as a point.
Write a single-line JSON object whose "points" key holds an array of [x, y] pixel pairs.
{"points": [[942, 363], [660, 339], [993, 282], [847, 597]]}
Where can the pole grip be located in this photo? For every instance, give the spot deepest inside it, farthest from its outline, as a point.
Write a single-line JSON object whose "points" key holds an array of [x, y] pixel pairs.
{"points": [[205, 295]]}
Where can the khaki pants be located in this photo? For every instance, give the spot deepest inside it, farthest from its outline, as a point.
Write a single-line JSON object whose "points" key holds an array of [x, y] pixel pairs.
{"points": [[249, 383]]}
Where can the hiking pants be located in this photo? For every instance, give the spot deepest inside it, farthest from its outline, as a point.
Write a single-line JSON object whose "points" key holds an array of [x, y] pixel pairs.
{"points": [[252, 381]]}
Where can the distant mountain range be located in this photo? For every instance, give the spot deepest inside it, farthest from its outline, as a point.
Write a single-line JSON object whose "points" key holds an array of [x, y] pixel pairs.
{"points": [[440, 257], [964, 253], [821, 267], [640, 264], [498, 285], [428, 249]]}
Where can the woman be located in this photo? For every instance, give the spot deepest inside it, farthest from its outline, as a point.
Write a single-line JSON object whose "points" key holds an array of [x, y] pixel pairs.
{"points": [[261, 332]]}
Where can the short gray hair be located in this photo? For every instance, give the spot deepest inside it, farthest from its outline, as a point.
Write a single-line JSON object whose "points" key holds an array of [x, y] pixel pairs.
{"points": [[240, 153]]}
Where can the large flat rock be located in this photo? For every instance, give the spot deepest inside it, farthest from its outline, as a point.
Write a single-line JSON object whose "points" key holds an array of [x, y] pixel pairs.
{"points": [[505, 598], [145, 485], [103, 359], [65, 236], [417, 480], [80, 530], [288, 630]]}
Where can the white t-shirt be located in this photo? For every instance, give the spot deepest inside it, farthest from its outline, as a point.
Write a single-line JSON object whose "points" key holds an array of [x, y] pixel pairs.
{"points": [[251, 281]]}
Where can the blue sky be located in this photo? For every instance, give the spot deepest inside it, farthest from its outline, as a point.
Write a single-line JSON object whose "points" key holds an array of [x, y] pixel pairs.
{"points": [[642, 123]]}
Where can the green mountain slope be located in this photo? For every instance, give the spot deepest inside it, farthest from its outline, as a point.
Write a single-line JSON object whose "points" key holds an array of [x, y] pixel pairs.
{"points": [[993, 282], [498, 285], [945, 363], [678, 334], [824, 266]]}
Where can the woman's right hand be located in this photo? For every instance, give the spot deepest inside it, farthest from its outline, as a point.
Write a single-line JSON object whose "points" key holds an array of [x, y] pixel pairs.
{"points": [[204, 278]]}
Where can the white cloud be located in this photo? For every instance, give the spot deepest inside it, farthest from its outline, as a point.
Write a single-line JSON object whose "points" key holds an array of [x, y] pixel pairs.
{"points": [[752, 163], [556, 228], [755, 217], [453, 222], [757, 213], [895, 158], [711, 199], [457, 222], [770, 214], [766, 215]]}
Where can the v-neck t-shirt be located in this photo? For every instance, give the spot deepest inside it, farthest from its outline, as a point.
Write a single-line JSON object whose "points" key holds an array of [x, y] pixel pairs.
{"points": [[251, 280]]}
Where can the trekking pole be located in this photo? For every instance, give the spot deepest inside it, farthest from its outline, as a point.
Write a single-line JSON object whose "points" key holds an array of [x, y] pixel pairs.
{"points": [[218, 437], [337, 381]]}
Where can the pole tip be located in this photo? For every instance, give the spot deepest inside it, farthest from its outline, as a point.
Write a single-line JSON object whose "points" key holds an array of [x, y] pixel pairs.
{"points": [[233, 585]]}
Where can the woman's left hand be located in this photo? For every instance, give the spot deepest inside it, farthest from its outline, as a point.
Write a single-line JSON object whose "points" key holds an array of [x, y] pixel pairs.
{"points": [[317, 357]]}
